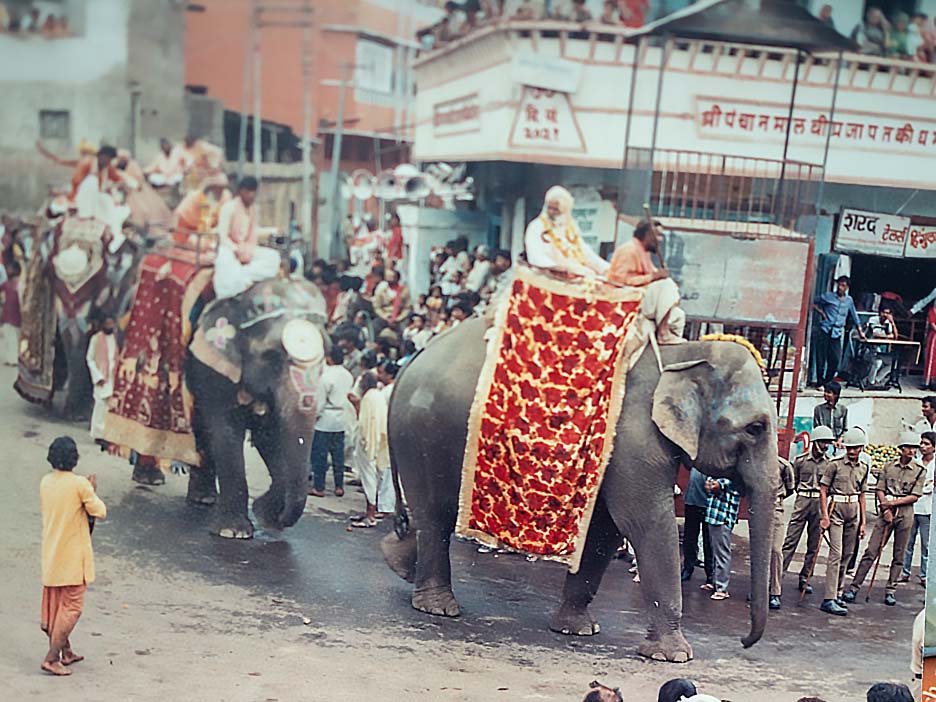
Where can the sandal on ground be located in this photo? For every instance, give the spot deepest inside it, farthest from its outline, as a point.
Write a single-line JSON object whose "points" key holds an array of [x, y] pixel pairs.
{"points": [[719, 595], [364, 523], [707, 586]]}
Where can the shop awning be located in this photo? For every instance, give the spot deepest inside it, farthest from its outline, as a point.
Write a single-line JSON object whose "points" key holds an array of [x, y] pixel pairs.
{"points": [[780, 23]]}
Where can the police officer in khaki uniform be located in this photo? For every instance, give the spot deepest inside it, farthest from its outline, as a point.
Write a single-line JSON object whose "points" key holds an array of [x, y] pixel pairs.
{"points": [[842, 506], [784, 490], [808, 469], [900, 485]]}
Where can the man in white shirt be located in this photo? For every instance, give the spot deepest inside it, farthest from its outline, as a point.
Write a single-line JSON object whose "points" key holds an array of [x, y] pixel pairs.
{"points": [[329, 438], [102, 364], [553, 241], [481, 270], [922, 510], [169, 166], [240, 261]]}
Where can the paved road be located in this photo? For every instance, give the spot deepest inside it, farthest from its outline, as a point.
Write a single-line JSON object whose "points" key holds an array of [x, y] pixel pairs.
{"points": [[176, 612]]}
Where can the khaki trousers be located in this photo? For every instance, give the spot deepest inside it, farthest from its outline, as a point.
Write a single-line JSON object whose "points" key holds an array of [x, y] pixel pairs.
{"points": [[776, 553], [806, 515], [843, 533], [899, 537]]}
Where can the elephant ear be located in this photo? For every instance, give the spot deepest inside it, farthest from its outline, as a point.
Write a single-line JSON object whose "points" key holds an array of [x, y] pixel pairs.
{"points": [[677, 406], [215, 340]]}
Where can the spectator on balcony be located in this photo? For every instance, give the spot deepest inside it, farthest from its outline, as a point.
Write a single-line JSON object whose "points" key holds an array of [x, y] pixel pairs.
{"points": [[31, 22], [571, 11], [632, 12], [897, 45], [525, 9], [872, 35], [919, 39], [825, 16], [609, 13]]}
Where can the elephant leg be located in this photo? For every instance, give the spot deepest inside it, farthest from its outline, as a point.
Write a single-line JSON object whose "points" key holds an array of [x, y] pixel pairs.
{"points": [[79, 398], [270, 504], [655, 538], [202, 485], [225, 442], [580, 589], [433, 592]]}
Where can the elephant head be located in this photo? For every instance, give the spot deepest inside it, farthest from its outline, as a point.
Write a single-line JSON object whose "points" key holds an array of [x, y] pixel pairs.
{"points": [[715, 407], [270, 343]]}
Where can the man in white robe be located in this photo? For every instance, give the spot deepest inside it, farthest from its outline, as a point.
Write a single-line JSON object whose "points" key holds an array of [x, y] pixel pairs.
{"points": [[241, 262], [553, 240], [102, 364], [95, 197]]}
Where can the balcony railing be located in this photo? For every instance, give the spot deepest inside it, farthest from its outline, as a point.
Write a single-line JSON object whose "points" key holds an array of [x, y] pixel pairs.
{"points": [[751, 193]]}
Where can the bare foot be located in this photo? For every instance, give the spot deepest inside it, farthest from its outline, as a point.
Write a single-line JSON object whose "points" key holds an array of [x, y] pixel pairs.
{"points": [[55, 668], [71, 657]]}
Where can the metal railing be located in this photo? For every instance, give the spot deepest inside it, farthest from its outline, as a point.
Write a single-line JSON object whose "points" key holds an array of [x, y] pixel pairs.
{"points": [[697, 185]]}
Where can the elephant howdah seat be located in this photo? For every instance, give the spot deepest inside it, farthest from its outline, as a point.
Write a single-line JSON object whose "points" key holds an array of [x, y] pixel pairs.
{"points": [[546, 405], [150, 412]]}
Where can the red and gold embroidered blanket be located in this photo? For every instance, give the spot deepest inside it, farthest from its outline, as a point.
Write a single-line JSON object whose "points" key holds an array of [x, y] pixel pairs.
{"points": [[542, 424], [150, 411]]}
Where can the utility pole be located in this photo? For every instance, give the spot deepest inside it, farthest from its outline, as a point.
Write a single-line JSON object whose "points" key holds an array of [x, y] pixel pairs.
{"points": [[257, 119], [305, 221], [335, 223]]}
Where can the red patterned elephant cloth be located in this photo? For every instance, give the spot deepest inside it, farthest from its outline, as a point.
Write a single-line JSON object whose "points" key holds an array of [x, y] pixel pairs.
{"points": [[542, 423], [150, 411]]}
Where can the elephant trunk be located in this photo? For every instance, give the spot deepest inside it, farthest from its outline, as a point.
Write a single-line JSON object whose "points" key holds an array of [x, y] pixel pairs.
{"points": [[296, 465], [759, 471]]}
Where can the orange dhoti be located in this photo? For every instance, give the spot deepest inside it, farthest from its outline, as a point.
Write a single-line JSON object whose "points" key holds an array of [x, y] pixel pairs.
{"points": [[61, 609]]}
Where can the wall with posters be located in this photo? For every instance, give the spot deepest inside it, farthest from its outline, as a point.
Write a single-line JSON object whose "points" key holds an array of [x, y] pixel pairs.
{"points": [[477, 100]]}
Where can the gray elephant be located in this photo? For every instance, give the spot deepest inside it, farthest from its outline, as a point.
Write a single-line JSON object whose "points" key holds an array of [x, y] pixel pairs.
{"points": [[708, 408], [254, 364]]}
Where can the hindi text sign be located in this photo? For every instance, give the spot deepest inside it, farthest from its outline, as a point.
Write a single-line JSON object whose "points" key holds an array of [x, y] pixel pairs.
{"points": [[872, 233]]}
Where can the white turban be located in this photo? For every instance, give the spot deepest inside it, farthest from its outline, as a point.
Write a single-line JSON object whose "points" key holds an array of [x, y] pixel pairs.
{"points": [[562, 196]]}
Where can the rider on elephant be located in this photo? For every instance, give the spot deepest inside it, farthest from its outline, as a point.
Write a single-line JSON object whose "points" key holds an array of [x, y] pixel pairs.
{"points": [[631, 265], [241, 262], [553, 241], [199, 211], [93, 188]]}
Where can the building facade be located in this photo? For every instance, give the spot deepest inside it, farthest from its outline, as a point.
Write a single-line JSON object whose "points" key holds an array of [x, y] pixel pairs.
{"points": [[117, 77]]}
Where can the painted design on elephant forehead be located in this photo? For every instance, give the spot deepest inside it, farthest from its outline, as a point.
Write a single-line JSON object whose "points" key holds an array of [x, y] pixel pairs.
{"points": [[221, 333], [305, 381]]}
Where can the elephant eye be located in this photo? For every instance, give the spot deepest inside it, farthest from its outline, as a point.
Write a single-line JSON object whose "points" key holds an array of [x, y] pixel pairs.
{"points": [[756, 429]]}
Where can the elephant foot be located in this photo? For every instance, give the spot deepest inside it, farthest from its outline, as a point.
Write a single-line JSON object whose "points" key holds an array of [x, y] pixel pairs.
{"points": [[671, 647], [202, 489], [574, 621], [148, 475], [234, 528], [439, 600], [400, 555], [267, 509]]}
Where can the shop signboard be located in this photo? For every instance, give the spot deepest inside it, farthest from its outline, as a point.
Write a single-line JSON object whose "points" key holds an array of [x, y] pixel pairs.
{"points": [[731, 279], [921, 242], [865, 232]]}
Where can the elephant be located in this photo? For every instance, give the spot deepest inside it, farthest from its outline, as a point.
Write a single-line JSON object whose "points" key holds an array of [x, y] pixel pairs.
{"points": [[256, 380], [709, 407], [76, 276]]}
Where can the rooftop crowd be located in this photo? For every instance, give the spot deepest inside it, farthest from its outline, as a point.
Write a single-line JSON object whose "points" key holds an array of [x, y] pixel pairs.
{"points": [[31, 21]]}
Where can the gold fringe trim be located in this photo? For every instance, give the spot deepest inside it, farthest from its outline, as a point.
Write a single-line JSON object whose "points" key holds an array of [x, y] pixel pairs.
{"points": [[167, 446]]}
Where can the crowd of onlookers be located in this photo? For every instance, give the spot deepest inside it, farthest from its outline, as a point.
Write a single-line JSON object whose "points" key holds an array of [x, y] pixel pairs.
{"points": [[463, 17], [31, 21], [901, 36], [684, 690]]}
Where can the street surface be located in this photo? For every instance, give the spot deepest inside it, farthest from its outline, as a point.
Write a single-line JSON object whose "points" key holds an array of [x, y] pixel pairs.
{"points": [[179, 614]]}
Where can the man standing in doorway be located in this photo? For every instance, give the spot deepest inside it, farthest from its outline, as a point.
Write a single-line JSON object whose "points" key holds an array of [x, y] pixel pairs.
{"points": [[843, 515], [922, 511], [898, 488], [834, 308], [808, 469]]}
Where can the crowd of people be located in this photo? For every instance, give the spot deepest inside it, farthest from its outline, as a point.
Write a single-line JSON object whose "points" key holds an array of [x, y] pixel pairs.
{"points": [[30, 21], [461, 18], [901, 36]]}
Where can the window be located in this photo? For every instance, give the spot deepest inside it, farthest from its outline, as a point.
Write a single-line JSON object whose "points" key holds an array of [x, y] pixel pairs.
{"points": [[54, 124]]}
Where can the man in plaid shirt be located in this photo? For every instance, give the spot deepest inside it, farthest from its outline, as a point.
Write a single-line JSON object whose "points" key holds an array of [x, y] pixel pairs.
{"points": [[721, 514]]}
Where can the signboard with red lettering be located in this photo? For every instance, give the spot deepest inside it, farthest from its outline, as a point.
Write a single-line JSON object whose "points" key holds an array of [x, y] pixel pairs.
{"points": [[545, 120], [872, 233], [921, 242], [457, 116]]}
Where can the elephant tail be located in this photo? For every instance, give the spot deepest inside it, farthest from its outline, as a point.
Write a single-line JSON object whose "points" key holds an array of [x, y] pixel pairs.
{"points": [[399, 548], [401, 521]]}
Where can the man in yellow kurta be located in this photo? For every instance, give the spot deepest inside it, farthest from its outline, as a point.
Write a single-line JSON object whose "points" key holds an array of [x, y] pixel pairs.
{"points": [[67, 500]]}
